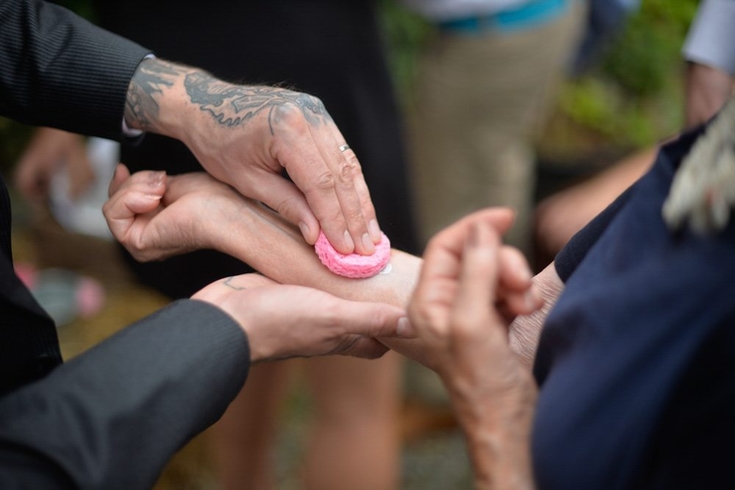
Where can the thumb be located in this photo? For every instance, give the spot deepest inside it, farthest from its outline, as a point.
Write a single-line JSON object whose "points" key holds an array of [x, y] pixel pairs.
{"points": [[371, 319], [121, 175]]}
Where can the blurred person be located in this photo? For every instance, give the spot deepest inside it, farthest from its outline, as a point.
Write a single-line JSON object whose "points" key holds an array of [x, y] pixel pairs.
{"points": [[605, 20], [710, 65], [710, 57], [483, 85], [339, 58]]}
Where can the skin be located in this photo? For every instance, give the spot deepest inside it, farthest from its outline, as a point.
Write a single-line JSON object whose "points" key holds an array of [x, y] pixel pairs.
{"points": [[47, 151], [707, 90], [454, 312], [155, 216], [476, 312], [247, 136], [281, 323]]}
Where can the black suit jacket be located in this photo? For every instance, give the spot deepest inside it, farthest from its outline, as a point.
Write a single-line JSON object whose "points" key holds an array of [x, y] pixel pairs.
{"points": [[113, 416]]}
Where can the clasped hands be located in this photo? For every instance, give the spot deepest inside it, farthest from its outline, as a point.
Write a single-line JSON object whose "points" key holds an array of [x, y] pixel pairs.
{"points": [[469, 289]]}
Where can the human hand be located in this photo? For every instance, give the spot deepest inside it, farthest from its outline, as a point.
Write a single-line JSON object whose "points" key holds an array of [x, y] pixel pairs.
{"points": [[707, 90], [284, 321], [446, 303], [247, 136], [155, 215], [49, 149], [453, 312]]}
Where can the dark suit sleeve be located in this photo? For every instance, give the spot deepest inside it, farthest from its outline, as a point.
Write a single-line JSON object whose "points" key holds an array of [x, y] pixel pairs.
{"points": [[56, 69], [113, 416]]}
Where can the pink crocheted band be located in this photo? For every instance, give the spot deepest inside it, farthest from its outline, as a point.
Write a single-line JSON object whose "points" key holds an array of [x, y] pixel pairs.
{"points": [[353, 265]]}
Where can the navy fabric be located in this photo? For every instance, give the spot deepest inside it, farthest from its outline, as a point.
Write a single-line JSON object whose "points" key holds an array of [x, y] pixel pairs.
{"points": [[636, 360]]}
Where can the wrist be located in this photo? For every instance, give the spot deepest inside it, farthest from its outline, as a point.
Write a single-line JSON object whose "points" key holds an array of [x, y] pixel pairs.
{"points": [[156, 99], [498, 440]]}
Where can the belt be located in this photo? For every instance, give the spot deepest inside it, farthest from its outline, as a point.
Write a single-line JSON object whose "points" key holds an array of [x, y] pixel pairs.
{"points": [[526, 16]]}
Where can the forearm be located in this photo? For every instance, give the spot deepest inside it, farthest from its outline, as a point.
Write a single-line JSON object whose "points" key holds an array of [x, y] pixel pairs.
{"points": [[269, 244], [113, 416], [61, 71], [498, 434]]}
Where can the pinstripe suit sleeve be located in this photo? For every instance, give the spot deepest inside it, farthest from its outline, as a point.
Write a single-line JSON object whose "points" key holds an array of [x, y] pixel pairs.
{"points": [[56, 69], [113, 416]]}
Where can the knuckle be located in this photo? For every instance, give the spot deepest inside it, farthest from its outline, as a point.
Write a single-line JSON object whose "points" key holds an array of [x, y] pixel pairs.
{"points": [[325, 181], [348, 171]]}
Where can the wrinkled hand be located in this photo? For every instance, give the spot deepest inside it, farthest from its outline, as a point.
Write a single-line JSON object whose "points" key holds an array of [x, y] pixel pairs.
{"points": [[247, 136], [469, 290], [454, 312], [155, 216], [293, 321], [48, 150], [707, 90]]}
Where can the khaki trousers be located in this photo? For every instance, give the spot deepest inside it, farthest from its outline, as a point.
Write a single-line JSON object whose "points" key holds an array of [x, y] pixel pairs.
{"points": [[479, 99]]}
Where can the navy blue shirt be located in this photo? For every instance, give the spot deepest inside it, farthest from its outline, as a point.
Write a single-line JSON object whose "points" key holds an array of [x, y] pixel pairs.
{"points": [[637, 360]]}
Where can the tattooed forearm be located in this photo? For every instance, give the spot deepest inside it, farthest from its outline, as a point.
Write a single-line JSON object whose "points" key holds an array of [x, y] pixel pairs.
{"points": [[148, 82], [232, 105]]}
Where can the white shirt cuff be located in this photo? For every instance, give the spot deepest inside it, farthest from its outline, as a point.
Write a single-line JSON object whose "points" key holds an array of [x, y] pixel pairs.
{"points": [[711, 38], [129, 132]]}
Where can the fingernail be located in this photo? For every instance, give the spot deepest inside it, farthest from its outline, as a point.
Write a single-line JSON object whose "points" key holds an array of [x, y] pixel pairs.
{"points": [[349, 244], [368, 244], [404, 329], [374, 230], [304, 230], [156, 178]]}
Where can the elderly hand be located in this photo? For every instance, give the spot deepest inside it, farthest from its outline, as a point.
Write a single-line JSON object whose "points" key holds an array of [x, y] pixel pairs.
{"points": [[469, 290], [454, 313], [294, 321], [247, 136]]}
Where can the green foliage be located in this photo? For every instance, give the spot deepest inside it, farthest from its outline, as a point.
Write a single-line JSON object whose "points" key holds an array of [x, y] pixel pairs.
{"points": [[641, 60], [635, 98], [404, 33]]}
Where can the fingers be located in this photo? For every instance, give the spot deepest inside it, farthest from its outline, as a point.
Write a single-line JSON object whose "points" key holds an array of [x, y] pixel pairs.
{"points": [[516, 293], [478, 276], [120, 175], [132, 196], [328, 173], [288, 201], [373, 319], [445, 249], [353, 196]]}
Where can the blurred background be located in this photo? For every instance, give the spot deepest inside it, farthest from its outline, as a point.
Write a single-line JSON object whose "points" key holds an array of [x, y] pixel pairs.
{"points": [[621, 95]]}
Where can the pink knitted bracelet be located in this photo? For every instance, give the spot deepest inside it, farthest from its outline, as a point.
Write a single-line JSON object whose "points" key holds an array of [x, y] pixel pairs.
{"points": [[353, 265]]}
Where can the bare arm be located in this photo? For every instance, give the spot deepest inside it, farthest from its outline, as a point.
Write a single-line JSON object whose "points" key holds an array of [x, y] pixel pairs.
{"points": [[156, 216]]}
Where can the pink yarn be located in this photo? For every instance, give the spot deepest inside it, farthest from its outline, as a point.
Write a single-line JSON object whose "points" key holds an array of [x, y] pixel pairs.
{"points": [[353, 265]]}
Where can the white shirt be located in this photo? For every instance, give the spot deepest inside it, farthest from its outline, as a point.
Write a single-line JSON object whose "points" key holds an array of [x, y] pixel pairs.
{"points": [[711, 38]]}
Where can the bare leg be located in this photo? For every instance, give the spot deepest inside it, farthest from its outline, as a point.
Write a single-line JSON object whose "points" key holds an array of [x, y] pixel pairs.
{"points": [[243, 438], [356, 441]]}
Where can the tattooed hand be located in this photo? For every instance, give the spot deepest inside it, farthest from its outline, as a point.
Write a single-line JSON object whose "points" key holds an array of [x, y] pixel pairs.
{"points": [[294, 321], [247, 136]]}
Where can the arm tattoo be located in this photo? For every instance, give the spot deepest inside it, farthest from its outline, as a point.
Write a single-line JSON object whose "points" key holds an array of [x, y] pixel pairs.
{"points": [[229, 105], [151, 78], [232, 105]]}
